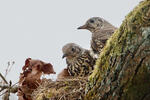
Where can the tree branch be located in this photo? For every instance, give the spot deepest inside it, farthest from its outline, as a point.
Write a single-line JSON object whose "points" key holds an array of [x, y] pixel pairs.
{"points": [[3, 78]]}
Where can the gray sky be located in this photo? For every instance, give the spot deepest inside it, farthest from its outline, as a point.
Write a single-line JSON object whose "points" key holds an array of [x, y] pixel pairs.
{"points": [[39, 28]]}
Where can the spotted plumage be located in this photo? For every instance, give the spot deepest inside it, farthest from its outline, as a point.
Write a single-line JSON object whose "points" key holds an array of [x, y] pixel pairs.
{"points": [[79, 61], [101, 31]]}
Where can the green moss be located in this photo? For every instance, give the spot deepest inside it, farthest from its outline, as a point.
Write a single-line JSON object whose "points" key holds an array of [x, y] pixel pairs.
{"points": [[119, 44], [139, 86]]}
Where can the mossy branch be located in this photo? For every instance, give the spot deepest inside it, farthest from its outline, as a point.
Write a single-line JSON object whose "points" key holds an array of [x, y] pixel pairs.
{"points": [[123, 68]]}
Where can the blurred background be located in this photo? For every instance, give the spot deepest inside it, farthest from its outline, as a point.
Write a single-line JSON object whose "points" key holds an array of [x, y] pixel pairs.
{"points": [[39, 29]]}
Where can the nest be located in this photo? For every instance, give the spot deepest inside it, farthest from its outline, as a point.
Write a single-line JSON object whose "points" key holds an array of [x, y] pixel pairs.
{"points": [[66, 89]]}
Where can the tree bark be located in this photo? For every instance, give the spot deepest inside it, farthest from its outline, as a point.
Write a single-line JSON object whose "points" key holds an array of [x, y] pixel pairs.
{"points": [[122, 71]]}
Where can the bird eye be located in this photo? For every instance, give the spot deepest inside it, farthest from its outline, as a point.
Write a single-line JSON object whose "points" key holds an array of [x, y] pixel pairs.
{"points": [[73, 49], [91, 21]]}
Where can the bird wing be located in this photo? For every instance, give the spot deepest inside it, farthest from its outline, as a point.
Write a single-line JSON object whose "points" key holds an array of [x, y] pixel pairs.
{"points": [[81, 66], [106, 33], [99, 39]]}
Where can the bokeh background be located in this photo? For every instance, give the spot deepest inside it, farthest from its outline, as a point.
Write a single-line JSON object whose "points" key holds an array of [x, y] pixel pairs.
{"points": [[39, 28]]}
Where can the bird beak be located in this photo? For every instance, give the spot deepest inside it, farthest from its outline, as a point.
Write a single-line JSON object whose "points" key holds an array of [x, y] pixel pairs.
{"points": [[82, 27], [65, 55]]}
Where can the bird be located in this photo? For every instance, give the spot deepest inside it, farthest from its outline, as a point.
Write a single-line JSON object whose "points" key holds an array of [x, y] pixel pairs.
{"points": [[64, 74], [79, 61], [101, 31]]}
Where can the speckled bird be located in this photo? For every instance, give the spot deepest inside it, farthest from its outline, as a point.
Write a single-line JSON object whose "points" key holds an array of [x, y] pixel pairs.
{"points": [[101, 31], [79, 61]]}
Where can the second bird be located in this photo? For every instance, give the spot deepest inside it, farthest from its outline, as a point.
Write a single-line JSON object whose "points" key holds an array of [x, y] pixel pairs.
{"points": [[79, 61], [101, 31]]}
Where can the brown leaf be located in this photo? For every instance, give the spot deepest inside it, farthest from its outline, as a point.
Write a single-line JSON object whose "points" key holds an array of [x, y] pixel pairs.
{"points": [[48, 69], [30, 78]]}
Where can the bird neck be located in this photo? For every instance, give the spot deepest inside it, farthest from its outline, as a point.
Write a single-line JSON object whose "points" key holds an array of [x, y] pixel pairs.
{"points": [[73, 59], [107, 25]]}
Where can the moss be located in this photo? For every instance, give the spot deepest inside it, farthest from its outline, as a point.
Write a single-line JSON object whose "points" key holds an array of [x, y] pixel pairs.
{"points": [[137, 89], [127, 39]]}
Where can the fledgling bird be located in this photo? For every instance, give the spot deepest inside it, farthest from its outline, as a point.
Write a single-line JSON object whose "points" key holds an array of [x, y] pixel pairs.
{"points": [[79, 61], [64, 74], [101, 31]]}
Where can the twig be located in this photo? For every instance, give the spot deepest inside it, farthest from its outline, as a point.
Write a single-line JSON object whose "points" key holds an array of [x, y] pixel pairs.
{"points": [[11, 66], [6, 96], [13, 88], [3, 78], [3, 93], [8, 92], [3, 87]]}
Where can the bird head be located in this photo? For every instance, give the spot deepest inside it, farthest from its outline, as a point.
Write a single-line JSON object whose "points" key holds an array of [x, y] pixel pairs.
{"points": [[92, 24], [71, 50]]}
